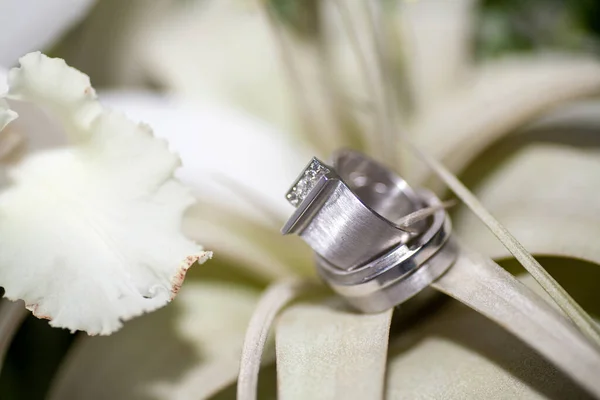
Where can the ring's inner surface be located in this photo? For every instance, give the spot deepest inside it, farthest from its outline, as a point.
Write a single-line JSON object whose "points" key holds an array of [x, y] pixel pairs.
{"points": [[379, 189]]}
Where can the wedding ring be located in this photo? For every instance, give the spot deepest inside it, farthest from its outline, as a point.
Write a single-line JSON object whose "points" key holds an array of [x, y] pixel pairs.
{"points": [[348, 214]]}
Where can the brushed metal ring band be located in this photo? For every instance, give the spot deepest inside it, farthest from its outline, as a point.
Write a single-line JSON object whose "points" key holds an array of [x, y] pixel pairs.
{"points": [[399, 274], [348, 216]]}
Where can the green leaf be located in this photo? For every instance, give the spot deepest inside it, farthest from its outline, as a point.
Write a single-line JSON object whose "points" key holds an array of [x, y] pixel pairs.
{"points": [[190, 349], [479, 283], [325, 351]]}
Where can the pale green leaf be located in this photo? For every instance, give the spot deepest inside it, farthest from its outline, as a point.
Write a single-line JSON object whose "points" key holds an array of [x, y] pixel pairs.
{"points": [[577, 314], [455, 353], [497, 99], [547, 196], [327, 352], [188, 350], [435, 38], [356, 37], [479, 283], [200, 59], [196, 51]]}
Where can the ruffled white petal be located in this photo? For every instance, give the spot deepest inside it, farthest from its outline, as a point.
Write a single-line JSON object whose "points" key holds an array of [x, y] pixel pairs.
{"points": [[59, 89], [32, 24], [241, 155], [90, 233], [6, 114], [240, 178]]}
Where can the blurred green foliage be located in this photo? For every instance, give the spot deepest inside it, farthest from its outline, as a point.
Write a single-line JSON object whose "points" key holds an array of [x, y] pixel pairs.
{"points": [[33, 359], [502, 25], [301, 16], [579, 278], [517, 25]]}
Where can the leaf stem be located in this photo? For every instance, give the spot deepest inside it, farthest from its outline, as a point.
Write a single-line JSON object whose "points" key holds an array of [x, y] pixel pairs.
{"points": [[275, 298], [419, 215]]}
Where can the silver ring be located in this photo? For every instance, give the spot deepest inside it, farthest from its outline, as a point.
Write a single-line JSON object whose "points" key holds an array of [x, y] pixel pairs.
{"points": [[334, 214], [347, 213]]}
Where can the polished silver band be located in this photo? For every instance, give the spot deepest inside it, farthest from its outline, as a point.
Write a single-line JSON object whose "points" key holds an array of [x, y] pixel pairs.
{"points": [[347, 213]]}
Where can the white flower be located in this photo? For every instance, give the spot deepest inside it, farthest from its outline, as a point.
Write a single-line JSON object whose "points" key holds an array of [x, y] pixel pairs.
{"points": [[89, 230]]}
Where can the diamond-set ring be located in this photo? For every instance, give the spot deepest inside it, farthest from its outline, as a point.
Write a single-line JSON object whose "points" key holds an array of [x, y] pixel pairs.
{"points": [[348, 214]]}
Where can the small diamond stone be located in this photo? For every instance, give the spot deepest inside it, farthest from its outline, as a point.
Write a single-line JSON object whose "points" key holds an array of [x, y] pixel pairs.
{"points": [[310, 173], [303, 186], [306, 182], [292, 197]]}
